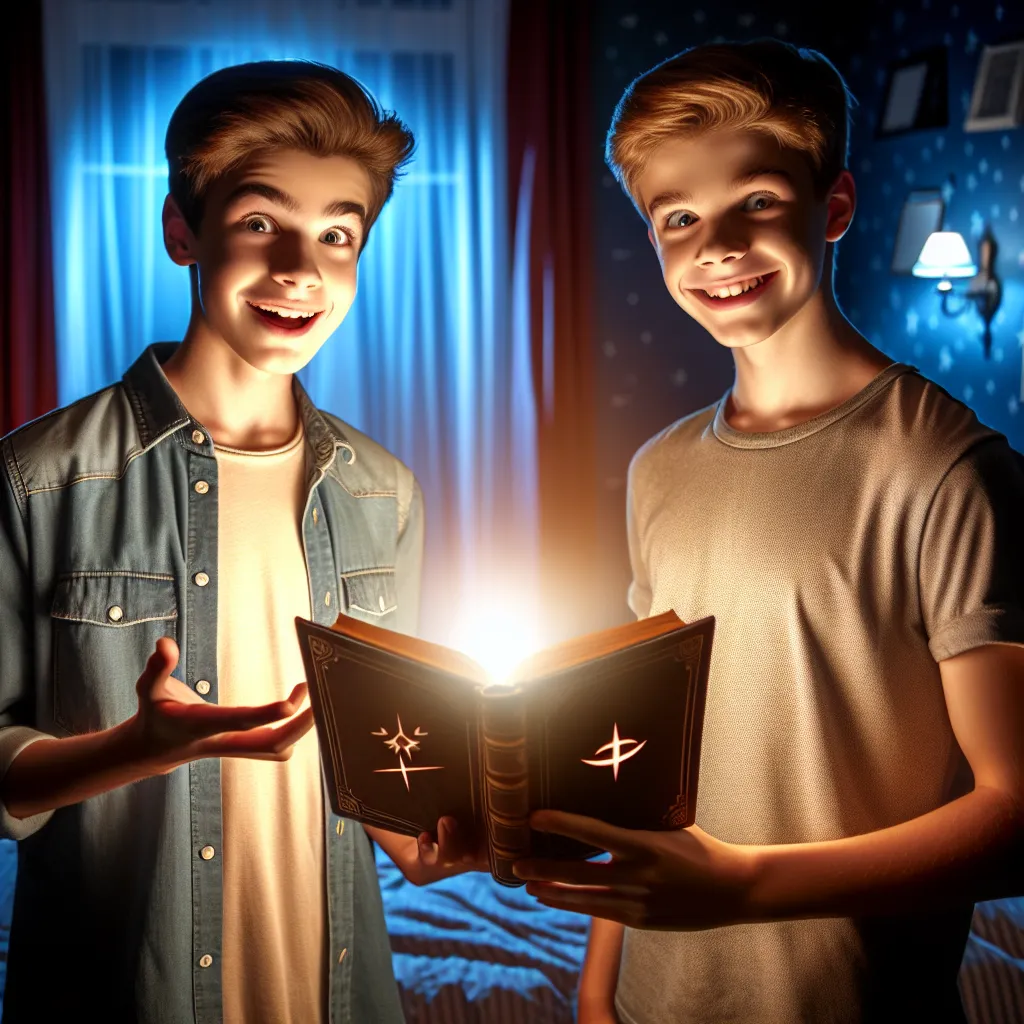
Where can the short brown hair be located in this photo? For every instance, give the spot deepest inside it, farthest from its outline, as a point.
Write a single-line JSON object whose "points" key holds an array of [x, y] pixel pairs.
{"points": [[280, 104], [795, 95]]}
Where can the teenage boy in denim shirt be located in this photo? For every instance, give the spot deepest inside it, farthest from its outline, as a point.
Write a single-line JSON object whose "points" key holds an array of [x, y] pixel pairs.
{"points": [[177, 860]]}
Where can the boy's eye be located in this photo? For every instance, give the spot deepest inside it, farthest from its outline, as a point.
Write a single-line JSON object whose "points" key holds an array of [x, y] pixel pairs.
{"points": [[337, 236], [258, 225], [680, 219], [755, 204]]}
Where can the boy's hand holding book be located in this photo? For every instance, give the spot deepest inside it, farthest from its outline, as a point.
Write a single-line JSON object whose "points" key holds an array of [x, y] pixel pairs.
{"points": [[172, 726], [683, 880], [423, 861]]}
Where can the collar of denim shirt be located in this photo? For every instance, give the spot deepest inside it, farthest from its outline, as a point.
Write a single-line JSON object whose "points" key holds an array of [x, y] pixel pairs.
{"points": [[160, 414]]}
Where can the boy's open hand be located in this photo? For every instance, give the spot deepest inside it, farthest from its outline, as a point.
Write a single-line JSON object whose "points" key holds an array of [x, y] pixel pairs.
{"points": [[174, 725], [683, 880]]}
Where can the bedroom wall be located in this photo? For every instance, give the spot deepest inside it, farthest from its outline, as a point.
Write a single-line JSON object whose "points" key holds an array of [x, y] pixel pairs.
{"points": [[901, 314], [654, 364]]}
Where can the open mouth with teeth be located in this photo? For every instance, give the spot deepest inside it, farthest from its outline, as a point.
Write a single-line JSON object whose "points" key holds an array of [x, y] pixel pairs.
{"points": [[739, 293], [283, 319]]}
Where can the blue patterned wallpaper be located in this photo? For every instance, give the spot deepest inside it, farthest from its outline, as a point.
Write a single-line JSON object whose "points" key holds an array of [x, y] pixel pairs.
{"points": [[901, 315], [654, 364]]}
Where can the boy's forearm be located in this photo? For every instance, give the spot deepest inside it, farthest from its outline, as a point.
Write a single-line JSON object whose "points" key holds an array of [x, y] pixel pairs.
{"points": [[964, 852], [52, 773], [600, 974]]}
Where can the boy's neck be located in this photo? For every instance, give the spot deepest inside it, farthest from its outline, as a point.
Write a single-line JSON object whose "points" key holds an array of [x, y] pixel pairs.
{"points": [[812, 364], [240, 406]]}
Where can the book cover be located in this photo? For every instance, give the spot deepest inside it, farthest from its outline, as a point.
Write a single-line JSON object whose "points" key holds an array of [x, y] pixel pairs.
{"points": [[607, 725]]}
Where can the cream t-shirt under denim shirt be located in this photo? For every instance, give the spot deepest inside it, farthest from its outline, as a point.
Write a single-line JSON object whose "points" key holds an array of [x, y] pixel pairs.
{"points": [[108, 540], [843, 559]]}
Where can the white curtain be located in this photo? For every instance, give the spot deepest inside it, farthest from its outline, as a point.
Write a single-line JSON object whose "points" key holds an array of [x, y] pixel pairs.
{"points": [[426, 362]]}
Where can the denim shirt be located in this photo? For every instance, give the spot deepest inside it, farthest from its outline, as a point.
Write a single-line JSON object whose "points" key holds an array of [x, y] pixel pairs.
{"points": [[108, 540]]}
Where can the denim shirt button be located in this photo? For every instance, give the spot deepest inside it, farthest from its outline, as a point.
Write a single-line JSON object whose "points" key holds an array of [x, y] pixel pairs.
{"points": [[201, 579], [205, 960], [202, 487], [115, 613], [202, 687], [342, 956], [207, 853], [198, 436], [316, 517]]}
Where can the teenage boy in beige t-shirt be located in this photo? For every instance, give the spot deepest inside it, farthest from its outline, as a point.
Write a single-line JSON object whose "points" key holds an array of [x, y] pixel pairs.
{"points": [[857, 534]]}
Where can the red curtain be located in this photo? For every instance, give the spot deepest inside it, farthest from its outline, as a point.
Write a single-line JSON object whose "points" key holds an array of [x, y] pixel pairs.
{"points": [[28, 378], [551, 151]]}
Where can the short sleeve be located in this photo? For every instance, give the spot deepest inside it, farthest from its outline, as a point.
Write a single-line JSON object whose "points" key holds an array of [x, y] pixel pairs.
{"points": [[639, 595], [971, 567]]}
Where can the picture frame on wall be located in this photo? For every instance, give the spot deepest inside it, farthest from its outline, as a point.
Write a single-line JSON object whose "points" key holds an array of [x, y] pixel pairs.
{"points": [[922, 213], [997, 100], [916, 93]]}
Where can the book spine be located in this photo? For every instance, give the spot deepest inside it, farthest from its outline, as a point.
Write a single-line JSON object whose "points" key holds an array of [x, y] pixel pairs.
{"points": [[506, 781]]}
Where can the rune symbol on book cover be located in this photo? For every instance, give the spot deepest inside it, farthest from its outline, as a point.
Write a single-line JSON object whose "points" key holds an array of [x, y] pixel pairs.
{"points": [[617, 756], [404, 746]]}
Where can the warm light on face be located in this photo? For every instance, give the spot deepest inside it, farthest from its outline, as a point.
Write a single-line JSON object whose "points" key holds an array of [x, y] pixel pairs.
{"points": [[496, 636]]}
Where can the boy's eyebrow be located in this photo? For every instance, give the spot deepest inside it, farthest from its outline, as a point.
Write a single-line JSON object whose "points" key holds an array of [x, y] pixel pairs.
{"points": [[667, 199], [339, 208], [762, 172]]}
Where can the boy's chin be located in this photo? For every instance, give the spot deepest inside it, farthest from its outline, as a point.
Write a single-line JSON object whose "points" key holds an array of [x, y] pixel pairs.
{"points": [[281, 358]]}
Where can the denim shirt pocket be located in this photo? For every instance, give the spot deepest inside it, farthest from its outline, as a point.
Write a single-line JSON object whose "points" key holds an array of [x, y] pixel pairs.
{"points": [[105, 626], [371, 595]]}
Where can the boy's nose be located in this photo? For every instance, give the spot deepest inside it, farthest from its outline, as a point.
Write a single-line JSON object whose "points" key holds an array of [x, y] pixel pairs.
{"points": [[302, 279], [721, 244]]}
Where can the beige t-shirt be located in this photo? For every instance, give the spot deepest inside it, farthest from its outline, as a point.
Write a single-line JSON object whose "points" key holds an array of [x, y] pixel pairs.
{"points": [[274, 960], [842, 559]]}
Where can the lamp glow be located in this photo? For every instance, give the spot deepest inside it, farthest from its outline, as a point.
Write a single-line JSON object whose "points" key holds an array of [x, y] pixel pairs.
{"points": [[945, 254]]}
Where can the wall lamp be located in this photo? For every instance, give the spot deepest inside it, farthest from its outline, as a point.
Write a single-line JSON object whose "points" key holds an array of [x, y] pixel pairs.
{"points": [[945, 256]]}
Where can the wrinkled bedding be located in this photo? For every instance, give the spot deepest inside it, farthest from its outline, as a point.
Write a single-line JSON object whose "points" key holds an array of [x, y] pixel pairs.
{"points": [[468, 950]]}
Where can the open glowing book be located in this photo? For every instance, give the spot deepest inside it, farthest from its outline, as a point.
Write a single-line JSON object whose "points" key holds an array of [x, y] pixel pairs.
{"points": [[607, 725]]}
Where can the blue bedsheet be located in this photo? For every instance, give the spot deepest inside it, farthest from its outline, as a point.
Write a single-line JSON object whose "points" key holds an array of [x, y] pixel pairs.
{"points": [[467, 950]]}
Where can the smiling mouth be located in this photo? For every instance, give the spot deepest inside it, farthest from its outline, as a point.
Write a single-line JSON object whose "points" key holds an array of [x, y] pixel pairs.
{"points": [[739, 293], [284, 319]]}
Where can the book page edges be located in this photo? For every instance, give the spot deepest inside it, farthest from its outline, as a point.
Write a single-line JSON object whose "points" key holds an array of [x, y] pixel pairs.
{"points": [[411, 648], [593, 646]]}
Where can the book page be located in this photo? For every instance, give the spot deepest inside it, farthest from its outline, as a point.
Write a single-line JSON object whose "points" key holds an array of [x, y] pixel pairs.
{"points": [[422, 651], [595, 645]]}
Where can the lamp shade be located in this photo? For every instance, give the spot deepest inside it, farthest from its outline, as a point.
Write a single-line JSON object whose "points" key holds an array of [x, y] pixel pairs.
{"points": [[945, 255]]}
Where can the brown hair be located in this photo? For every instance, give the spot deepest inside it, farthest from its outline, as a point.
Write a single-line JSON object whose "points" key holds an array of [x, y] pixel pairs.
{"points": [[280, 104], [795, 95]]}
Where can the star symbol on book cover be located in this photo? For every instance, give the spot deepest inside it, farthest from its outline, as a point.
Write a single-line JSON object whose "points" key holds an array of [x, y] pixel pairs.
{"points": [[404, 746]]}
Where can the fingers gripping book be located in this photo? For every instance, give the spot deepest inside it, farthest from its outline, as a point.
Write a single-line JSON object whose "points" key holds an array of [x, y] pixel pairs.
{"points": [[607, 725]]}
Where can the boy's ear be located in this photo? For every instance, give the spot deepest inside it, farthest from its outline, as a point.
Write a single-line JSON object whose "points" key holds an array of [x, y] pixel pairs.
{"points": [[842, 202], [179, 240]]}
